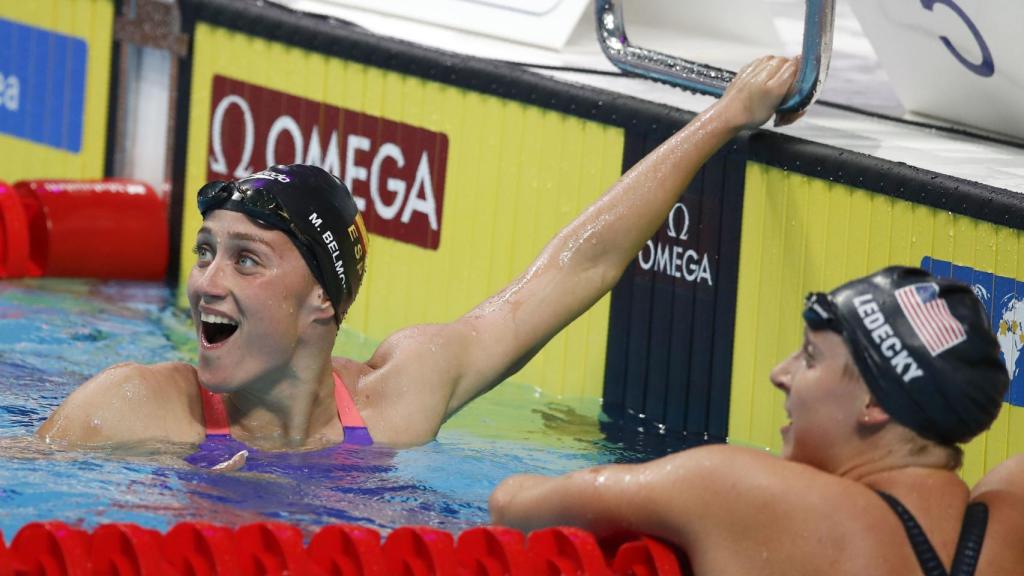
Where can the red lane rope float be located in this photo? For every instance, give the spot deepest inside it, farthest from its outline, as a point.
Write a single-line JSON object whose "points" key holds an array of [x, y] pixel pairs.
{"points": [[200, 549], [346, 550], [127, 550], [14, 237], [493, 551], [276, 549], [420, 551], [51, 548], [563, 550], [272, 549], [6, 562], [111, 228], [647, 556]]}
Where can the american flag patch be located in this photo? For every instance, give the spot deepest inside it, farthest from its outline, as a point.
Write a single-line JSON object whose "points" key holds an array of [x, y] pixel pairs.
{"points": [[930, 318]]}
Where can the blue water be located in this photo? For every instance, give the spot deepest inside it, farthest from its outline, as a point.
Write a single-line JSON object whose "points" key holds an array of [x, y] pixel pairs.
{"points": [[56, 334]]}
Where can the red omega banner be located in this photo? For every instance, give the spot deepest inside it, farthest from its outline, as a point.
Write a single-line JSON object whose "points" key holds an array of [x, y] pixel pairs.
{"points": [[396, 172]]}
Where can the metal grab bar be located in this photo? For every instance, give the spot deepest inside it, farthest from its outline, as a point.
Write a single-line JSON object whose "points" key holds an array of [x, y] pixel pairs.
{"points": [[704, 79]]}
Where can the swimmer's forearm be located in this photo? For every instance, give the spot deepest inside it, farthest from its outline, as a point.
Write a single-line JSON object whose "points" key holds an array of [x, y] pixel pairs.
{"points": [[529, 501], [611, 232], [613, 229], [595, 499], [584, 261]]}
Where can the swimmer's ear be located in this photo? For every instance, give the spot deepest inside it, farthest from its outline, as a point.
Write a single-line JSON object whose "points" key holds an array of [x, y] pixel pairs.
{"points": [[321, 305], [873, 414]]}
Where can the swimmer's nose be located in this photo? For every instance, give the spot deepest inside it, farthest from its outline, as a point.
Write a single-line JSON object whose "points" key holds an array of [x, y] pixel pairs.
{"points": [[209, 283], [780, 375]]}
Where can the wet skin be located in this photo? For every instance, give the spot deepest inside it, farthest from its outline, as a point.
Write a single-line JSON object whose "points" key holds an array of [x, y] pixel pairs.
{"points": [[741, 511], [824, 400]]}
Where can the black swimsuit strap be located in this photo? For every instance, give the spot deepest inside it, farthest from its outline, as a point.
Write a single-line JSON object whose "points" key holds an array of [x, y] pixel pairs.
{"points": [[968, 546], [972, 534], [926, 555]]}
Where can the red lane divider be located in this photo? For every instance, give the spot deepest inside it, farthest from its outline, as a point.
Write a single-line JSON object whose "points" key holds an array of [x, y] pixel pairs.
{"points": [[127, 550], [493, 551], [563, 550], [113, 228], [200, 549], [272, 549], [647, 556], [6, 563], [420, 551], [346, 550], [276, 549], [51, 548]]}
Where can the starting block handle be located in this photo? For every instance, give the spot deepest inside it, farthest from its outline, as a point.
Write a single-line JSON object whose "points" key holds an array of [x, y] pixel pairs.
{"points": [[704, 79]]}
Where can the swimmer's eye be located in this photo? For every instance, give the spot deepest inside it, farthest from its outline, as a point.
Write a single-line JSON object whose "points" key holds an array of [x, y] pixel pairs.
{"points": [[246, 260], [203, 253], [808, 355]]}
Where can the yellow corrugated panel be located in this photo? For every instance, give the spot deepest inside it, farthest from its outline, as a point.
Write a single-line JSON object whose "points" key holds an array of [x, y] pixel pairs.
{"points": [[748, 297], [516, 174], [93, 22], [803, 234]]}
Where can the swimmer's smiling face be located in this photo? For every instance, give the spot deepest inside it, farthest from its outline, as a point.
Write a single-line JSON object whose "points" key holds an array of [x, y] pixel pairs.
{"points": [[825, 398], [249, 292]]}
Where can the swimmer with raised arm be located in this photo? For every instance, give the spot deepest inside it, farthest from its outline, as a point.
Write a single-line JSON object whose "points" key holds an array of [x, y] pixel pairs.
{"points": [[280, 258], [895, 371]]}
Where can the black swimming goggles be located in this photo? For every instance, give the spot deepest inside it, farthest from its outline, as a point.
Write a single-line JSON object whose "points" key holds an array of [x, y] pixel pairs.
{"points": [[821, 313], [261, 205]]}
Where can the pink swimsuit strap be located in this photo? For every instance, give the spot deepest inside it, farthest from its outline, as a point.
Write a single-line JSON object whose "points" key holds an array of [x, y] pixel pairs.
{"points": [[215, 414]]}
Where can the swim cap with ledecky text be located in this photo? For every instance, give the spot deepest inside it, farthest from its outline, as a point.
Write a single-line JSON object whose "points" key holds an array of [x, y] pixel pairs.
{"points": [[923, 346]]}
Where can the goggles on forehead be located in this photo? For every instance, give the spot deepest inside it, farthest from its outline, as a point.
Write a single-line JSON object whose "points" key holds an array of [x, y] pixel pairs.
{"points": [[254, 202], [261, 205], [821, 313]]}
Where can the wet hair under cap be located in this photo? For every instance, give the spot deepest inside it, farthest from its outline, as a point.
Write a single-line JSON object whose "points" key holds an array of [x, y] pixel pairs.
{"points": [[317, 213], [923, 346]]}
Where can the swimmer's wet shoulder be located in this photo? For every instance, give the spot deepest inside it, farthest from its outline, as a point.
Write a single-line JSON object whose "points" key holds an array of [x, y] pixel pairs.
{"points": [[404, 392], [1002, 490], [130, 402]]}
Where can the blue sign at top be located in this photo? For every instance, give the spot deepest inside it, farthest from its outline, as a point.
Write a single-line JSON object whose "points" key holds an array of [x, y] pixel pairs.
{"points": [[1003, 297], [42, 85]]}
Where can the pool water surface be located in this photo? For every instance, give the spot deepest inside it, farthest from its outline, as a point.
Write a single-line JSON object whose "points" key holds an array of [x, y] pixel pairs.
{"points": [[55, 334]]}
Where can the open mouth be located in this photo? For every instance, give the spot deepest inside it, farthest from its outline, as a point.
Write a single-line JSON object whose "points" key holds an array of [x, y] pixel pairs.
{"points": [[216, 329]]}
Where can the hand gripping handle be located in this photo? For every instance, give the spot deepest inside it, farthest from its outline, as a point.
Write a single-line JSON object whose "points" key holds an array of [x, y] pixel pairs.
{"points": [[701, 78]]}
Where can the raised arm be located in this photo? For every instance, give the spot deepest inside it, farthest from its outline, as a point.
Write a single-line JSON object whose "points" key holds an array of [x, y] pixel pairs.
{"points": [[586, 259], [422, 375]]}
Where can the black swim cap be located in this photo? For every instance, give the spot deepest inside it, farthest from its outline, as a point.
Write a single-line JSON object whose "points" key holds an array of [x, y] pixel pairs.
{"points": [[923, 346], [315, 210]]}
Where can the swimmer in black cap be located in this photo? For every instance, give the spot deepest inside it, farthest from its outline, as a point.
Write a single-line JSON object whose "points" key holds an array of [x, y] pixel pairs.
{"points": [[896, 369], [280, 257]]}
